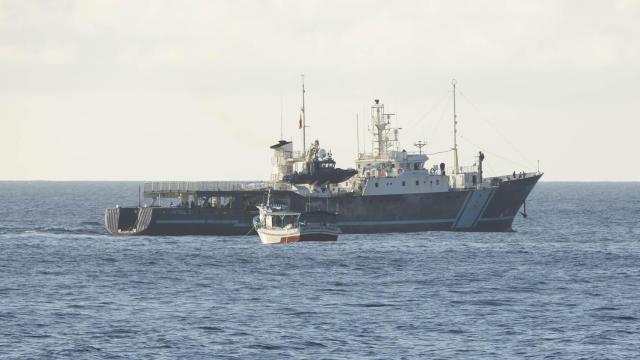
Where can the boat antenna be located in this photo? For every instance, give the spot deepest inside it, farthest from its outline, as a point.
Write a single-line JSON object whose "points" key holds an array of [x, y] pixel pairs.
{"points": [[303, 122], [455, 130], [420, 144]]}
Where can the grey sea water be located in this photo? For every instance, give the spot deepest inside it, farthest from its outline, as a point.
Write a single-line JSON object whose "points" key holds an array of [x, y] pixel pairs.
{"points": [[566, 284]]}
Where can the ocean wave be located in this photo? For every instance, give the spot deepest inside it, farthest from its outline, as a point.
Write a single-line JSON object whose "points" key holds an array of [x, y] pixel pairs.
{"points": [[97, 229]]}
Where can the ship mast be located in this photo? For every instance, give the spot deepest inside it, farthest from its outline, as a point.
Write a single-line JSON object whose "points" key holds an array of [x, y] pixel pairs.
{"points": [[379, 125], [358, 136], [455, 130], [303, 120], [281, 101]]}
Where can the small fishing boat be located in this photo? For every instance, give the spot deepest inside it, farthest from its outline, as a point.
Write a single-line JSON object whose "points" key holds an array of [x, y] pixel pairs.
{"points": [[276, 225]]}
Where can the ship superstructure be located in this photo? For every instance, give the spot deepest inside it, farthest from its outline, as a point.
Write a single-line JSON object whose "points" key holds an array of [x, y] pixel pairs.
{"points": [[387, 170]]}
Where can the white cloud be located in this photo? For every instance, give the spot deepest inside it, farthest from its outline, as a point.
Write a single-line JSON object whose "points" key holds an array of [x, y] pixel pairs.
{"points": [[12, 54], [211, 73]]}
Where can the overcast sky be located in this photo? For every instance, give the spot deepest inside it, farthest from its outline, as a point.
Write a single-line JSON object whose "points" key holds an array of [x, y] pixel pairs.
{"points": [[189, 90]]}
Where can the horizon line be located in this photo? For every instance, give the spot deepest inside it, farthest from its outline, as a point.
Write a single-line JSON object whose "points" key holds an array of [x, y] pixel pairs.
{"points": [[120, 180]]}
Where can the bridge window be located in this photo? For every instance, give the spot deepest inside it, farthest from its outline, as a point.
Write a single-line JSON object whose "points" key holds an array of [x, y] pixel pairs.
{"points": [[403, 183], [376, 184], [417, 182]]}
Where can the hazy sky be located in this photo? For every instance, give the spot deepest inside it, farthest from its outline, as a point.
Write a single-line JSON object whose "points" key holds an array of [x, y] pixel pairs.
{"points": [[189, 90]]}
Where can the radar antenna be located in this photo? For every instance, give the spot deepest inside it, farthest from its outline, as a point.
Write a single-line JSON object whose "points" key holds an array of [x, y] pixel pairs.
{"points": [[420, 144]]}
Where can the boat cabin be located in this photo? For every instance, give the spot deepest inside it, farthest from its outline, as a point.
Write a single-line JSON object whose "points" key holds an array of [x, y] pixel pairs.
{"points": [[282, 220]]}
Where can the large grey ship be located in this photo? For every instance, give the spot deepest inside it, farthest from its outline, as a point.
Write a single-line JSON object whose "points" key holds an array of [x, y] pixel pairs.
{"points": [[390, 190]]}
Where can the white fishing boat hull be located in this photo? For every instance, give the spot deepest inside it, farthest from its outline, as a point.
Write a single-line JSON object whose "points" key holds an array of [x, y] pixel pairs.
{"points": [[277, 236]]}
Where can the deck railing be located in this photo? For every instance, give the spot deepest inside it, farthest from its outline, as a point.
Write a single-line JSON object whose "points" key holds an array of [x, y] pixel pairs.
{"points": [[191, 186]]}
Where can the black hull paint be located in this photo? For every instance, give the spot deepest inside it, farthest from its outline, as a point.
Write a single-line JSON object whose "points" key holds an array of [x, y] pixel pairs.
{"points": [[489, 210]]}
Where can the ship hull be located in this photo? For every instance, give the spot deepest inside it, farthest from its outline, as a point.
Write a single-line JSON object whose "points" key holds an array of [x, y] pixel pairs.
{"points": [[490, 210], [280, 237]]}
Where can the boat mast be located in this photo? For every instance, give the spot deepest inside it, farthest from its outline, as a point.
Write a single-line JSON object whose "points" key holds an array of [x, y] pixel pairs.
{"points": [[455, 130]]}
